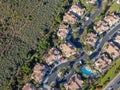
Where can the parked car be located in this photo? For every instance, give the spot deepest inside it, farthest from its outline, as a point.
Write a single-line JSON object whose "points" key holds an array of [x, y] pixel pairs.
{"points": [[51, 66], [110, 88]]}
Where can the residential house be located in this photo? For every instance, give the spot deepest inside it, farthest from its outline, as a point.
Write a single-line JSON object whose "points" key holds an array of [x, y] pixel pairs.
{"points": [[38, 72], [112, 49], [53, 55], [70, 18], [91, 1], [91, 39], [103, 62], [28, 86], [68, 49], [101, 27], [77, 9], [117, 38], [75, 83], [63, 31], [112, 19]]}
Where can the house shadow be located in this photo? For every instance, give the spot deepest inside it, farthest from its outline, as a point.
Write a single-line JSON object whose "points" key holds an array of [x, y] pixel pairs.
{"points": [[75, 42], [81, 30], [95, 54]]}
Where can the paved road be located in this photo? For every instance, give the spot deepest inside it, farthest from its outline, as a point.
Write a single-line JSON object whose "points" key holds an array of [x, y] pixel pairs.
{"points": [[53, 76], [83, 57], [114, 84], [92, 17], [107, 37]]}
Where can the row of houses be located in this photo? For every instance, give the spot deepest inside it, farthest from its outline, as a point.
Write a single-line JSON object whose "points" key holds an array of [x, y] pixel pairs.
{"points": [[112, 52], [74, 83], [103, 62], [102, 26], [74, 14], [68, 49], [106, 23], [55, 54], [39, 70]]}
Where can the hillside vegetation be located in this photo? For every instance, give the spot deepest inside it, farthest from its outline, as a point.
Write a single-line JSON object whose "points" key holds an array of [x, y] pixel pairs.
{"points": [[23, 23]]}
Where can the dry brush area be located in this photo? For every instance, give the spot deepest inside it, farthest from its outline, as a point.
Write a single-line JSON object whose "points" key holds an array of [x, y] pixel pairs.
{"points": [[22, 23]]}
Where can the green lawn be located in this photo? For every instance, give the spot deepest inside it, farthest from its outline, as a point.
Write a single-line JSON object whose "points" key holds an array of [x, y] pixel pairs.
{"points": [[110, 74], [89, 7]]}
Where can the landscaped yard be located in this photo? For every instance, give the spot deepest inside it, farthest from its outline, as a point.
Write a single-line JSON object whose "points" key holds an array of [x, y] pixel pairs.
{"points": [[110, 74], [115, 7], [89, 7]]}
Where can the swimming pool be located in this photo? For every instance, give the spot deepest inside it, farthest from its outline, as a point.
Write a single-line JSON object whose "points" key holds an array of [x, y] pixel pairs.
{"points": [[85, 71]]}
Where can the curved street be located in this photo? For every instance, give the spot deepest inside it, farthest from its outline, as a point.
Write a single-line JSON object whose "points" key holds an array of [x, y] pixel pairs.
{"points": [[52, 76]]}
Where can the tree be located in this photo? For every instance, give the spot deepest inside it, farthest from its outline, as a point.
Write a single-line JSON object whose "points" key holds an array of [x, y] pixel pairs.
{"points": [[62, 87], [26, 69], [77, 69], [102, 35], [44, 44], [68, 68], [58, 19], [75, 35], [75, 27], [36, 57]]}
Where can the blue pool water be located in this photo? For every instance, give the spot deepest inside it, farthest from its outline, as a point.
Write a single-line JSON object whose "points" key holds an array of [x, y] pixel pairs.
{"points": [[85, 71]]}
